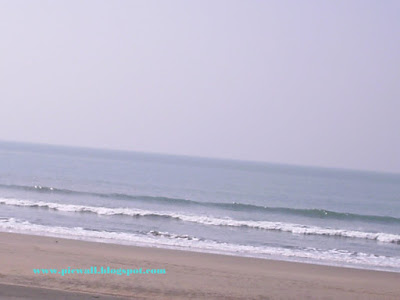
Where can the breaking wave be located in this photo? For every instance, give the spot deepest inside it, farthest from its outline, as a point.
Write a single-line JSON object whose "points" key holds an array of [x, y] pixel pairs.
{"points": [[173, 241], [210, 221], [234, 206]]}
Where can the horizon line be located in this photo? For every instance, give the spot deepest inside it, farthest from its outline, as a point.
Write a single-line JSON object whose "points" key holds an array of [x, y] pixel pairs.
{"points": [[202, 157]]}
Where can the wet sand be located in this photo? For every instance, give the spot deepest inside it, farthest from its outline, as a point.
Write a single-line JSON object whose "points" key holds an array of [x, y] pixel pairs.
{"points": [[189, 275]]}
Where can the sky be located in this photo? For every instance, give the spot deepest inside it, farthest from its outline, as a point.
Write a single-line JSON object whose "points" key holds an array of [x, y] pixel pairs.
{"points": [[297, 82]]}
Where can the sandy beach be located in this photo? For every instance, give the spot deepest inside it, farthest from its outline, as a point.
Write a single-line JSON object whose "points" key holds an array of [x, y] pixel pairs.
{"points": [[188, 275]]}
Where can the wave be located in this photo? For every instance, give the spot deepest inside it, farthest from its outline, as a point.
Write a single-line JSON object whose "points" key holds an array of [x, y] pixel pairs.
{"points": [[119, 196], [234, 206], [211, 221], [315, 213], [174, 241], [173, 236]]}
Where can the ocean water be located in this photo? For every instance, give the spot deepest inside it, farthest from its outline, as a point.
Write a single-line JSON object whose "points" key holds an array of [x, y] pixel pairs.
{"points": [[314, 215]]}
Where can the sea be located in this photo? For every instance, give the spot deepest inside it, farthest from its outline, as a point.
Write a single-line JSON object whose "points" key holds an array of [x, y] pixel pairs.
{"points": [[242, 208]]}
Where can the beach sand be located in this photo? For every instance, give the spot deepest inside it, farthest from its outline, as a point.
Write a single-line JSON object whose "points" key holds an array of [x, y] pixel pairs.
{"points": [[189, 275]]}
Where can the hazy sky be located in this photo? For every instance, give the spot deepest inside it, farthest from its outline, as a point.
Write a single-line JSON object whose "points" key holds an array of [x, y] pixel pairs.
{"points": [[302, 82]]}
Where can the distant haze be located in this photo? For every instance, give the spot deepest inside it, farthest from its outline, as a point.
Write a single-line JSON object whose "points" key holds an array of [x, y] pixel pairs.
{"points": [[298, 82]]}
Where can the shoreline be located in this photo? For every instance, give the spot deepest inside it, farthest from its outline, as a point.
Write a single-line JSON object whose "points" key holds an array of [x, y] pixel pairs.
{"points": [[191, 275], [308, 261], [234, 250]]}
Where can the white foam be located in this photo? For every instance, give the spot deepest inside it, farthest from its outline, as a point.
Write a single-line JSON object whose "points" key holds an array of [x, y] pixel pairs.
{"points": [[208, 220], [168, 240]]}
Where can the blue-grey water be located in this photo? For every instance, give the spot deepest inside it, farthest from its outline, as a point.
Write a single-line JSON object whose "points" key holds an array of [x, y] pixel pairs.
{"points": [[316, 215]]}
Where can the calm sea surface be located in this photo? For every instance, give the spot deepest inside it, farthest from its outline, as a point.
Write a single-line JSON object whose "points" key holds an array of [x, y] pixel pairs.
{"points": [[325, 216]]}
